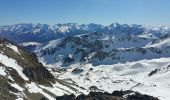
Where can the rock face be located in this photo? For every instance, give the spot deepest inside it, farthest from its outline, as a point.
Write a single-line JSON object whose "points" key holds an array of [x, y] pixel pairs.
{"points": [[138, 96], [39, 74], [5, 90], [34, 70], [18, 69]]}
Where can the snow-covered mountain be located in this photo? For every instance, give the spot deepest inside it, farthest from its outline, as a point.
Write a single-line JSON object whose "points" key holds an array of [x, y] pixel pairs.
{"points": [[22, 77], [109, 58], [100, 48], [124, 59], [28, 32]]}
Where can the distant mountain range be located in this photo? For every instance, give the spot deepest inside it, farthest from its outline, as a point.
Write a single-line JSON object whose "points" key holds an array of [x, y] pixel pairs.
{"points": [[20, 33]]}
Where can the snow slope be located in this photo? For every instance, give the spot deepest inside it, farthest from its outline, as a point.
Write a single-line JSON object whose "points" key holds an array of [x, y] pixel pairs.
{"points": [[127, 76]]}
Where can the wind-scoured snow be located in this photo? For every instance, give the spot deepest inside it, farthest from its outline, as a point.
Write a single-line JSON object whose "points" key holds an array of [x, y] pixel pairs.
{"points": [[33, 88], [13, 48], [9, 62], [2, 71], [17, 87]]}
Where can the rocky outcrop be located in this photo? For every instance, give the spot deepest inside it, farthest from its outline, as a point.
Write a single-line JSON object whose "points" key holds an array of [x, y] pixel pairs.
{"points": [[5, 89], [38, 74], [32, 68], [116, 95], [138, 96]]}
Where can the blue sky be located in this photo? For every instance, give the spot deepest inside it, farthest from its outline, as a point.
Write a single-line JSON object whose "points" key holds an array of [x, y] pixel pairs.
{"points": [[146, 12]]}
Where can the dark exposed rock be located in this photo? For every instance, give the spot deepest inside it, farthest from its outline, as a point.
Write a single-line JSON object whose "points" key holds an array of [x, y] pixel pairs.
{"points": [[13, 89], [93, 88], [66, 97], [5, 89], [77, 71], [116, 95], [153, 72], [91, 69], [38, 74], [155, 50], [138, 96], [43, 98], [34, 70]]}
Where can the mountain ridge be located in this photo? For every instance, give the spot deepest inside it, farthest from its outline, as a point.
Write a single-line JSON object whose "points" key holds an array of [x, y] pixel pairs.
{"points": [[28, 32]]}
